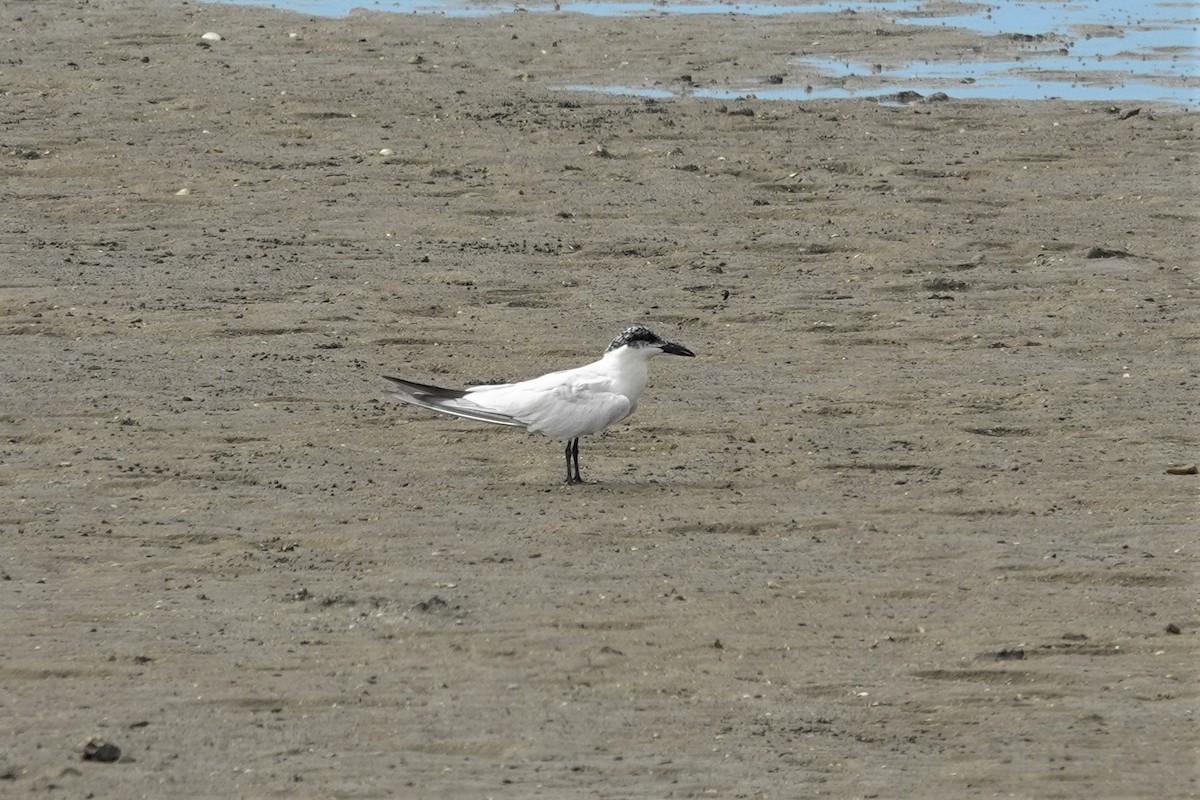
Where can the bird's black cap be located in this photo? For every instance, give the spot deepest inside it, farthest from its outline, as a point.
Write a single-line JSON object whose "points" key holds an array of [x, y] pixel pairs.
{"points": [[637, 336]]}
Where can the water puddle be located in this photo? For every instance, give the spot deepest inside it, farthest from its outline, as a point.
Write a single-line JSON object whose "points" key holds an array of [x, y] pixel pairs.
{"points": [[1070, 49]]}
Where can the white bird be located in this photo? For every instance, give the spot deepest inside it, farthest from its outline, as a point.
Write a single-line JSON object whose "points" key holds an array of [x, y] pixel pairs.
{"points": [[563, 405]]}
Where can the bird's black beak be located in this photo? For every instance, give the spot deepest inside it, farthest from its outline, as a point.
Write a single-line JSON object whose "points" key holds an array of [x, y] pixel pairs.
{"points": [[677, 350]]}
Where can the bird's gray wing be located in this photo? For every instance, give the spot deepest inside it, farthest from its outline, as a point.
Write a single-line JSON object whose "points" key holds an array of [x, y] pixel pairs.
{"points": [[581, 413], [559, 409], [447, 401]]}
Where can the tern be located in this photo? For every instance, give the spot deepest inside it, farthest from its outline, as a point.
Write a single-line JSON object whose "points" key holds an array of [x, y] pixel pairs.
{"points": [[562, 405]]}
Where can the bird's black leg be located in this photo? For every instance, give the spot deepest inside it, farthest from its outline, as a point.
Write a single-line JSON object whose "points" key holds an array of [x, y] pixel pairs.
{"points": [[573, 455]]}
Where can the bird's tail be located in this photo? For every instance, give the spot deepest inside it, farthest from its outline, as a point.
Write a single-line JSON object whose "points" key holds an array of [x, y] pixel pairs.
{"points": [[446, 401]]}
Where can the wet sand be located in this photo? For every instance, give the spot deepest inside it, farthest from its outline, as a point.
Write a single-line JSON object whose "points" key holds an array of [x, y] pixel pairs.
{"points": [[904, 528]]}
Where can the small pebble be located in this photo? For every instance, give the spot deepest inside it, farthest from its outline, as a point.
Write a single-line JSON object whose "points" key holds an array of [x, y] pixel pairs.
{"points": [[1183, 469], [183, 192], [387, 151], [96, 749], [212, 37]]}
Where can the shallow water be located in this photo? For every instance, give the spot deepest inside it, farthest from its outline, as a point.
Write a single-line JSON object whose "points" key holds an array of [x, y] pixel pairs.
{"points": [[1080, 49]]}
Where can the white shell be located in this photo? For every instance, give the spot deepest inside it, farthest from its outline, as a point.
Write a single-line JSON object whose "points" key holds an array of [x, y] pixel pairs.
{"points": [[212, 37]]}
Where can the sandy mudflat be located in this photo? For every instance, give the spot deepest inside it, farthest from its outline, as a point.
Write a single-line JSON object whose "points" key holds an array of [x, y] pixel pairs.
{"points": [[903, 529]]}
